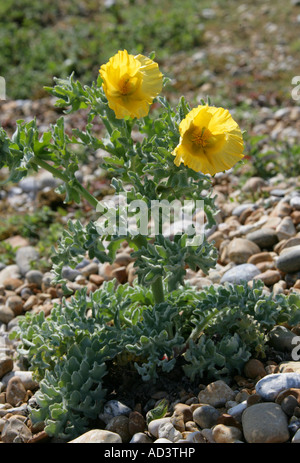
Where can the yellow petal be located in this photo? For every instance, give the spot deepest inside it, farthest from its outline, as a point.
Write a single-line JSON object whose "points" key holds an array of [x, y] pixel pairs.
{"points": [[211, 141], [130, 84]]}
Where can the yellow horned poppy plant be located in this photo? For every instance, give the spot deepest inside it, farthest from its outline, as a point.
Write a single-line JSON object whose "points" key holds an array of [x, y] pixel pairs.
{"points": [[210, 140], [130, 83]]}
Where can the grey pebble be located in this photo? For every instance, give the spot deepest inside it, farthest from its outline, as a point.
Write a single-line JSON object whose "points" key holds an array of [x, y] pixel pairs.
{"points": [[269, 386]]}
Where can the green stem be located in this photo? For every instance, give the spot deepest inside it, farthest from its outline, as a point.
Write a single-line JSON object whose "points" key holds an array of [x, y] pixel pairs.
{"points": [[157, 286], [59, 174]]}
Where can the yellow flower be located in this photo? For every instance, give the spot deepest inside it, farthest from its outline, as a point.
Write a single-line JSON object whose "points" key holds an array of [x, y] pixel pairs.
{"points": [[210, 140], [130, 83]]}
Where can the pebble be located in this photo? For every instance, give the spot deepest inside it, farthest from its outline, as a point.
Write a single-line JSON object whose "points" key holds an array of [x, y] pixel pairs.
{"points": [[239, 273], [113, 408], [168, 431], [241, 249], [154, 425], [265, 423], [265, 238], [223, 434], [97, 436], [216, 394], [270, 386], [120, 425], [15, 431], [6, 365], [206, 416], [15, 391], [25, 257], [289, 260], [140, 438], [34, 277], [281, 338]]}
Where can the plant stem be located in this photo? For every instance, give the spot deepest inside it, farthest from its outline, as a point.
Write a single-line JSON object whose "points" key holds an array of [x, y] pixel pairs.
{"points": [[158, 290], [157, 286], [59, 174]]}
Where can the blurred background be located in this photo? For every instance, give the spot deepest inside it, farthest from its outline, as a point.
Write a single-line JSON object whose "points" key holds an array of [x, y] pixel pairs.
{"points": [[241, 52]]}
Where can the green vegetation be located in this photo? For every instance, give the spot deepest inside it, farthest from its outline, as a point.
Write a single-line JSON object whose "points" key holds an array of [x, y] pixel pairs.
{"points": [[207, 334]]}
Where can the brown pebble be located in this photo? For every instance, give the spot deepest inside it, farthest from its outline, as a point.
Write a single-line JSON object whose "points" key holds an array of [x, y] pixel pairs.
{"points": [[229, 420], [291, 391], [96, 279], [254, 368], [12, 283], [253, 399], [15, 391], [15, 303], [185, 410], [136, 423]]}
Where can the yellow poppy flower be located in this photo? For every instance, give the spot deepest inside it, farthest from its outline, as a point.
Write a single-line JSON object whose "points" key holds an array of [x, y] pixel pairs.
{"points": [[130, 83], [210, 140]]}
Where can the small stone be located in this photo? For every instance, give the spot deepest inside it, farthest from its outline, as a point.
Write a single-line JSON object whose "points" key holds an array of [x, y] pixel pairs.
{"points": [[15, 431], [11, 284], [6, 365], [154, 425], [15, 391], [270, 386], [254, 368], [253, 399], [34, 277], [10, 272], [296, 438], [167, 431], [237, 411], [229, 420], [119, 425], [113, 408], [265, 423], [281, 338], [178, 421], [136, 423], [289, 260], [269, 277], [97, 436], [194, 437], [123, 259], [288, 405], [15, 303], [265, 238], [206, 416], [185, 410], [289, 367], [191, 426], [260, 257], [25, 256], [31, 301], [25, 376], [140, 438], [90, 269], [286, 229], [240, 249], [295, 202], [254, 184], [223, 434], [69, 273], [6, 314], [216, 394], [96, 279], [239, 273]]}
